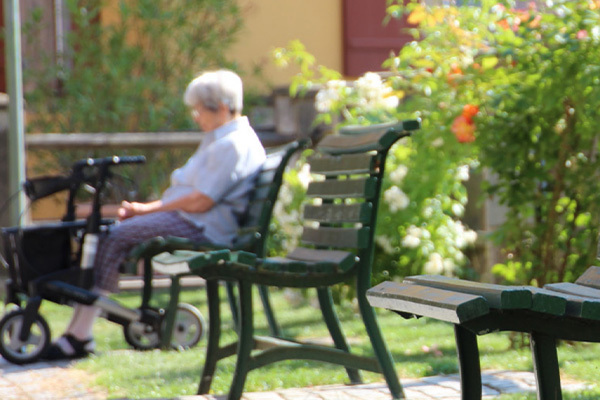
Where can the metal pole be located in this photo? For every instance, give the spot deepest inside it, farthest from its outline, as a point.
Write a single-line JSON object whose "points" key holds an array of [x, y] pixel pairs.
{"points": [[14, 81]]}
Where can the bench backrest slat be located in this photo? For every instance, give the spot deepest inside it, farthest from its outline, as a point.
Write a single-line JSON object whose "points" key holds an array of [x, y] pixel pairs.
{"points": [[351, 188], [336, 165], [348, 173], [341, 238], [254, 225], [339, 213]]}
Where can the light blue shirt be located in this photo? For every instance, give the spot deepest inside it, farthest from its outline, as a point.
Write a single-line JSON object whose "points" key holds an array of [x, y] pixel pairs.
{"points": [[222, 168]]}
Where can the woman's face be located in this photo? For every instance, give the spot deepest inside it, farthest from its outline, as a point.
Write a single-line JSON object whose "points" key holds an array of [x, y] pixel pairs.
{"points": [[207, 119]]}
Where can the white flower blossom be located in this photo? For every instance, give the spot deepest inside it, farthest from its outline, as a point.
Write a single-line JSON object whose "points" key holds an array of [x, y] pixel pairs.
{"points": [[596, 33], [390, 102], [458, 209], [427, 212], [463, 237], [413, 237], [411, 242], [470, 236], [449, 266], [414, 231], [329, 95], [462, 173], [285, 196], [385, 243], [397, 175], [439, 142], [435, 264], [373, 93], [304, 175], [396, 199]]}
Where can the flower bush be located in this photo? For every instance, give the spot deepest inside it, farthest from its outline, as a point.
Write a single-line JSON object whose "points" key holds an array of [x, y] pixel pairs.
{"points": [[419, 223], [514, 91]]}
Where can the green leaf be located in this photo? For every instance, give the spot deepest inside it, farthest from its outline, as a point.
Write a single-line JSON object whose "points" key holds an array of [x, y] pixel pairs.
{"points": [[489, 62]]}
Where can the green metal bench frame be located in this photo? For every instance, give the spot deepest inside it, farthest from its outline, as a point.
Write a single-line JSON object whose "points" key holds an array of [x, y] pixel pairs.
{"points": [[252, 236], [338, 246], [568, 311]]}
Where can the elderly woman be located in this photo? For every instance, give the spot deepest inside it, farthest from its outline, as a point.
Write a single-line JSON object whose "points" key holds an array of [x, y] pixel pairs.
{"points": [[203, 202]]}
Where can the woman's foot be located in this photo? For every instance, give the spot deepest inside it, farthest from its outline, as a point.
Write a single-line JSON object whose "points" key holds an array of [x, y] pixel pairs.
{"points": [[68, 347]]}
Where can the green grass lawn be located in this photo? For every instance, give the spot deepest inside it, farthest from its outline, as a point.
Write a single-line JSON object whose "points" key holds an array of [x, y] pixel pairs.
{"points": [[419, 347]]}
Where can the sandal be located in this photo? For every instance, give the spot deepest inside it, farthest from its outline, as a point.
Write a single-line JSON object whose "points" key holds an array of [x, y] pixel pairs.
{"points": [[81, 349]]}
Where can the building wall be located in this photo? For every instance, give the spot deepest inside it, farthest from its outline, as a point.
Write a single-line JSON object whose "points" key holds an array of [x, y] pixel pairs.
{"points": [[268, 24], [274, 23]]}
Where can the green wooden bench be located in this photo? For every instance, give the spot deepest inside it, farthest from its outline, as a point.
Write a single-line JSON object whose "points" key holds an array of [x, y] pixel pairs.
{"points": [[336, 246], [252, 234], [569, 311]]}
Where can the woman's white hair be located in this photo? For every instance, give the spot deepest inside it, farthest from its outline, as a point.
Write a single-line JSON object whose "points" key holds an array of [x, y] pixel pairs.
{"points": [[213, 88]]}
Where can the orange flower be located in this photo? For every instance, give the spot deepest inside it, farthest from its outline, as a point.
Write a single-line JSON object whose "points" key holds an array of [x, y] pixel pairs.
{"points": [[504, 24], [469, 111], [453, 74], [464, 129]]}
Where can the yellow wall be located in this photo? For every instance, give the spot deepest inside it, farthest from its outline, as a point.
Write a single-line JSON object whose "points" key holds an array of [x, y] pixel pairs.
{"points": [[273, 23], [268, 24]]}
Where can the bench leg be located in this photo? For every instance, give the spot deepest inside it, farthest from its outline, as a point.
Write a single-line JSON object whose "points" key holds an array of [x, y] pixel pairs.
{"points": [[147, 289], [545, 365], [245, 341], [388, 369], [335, 330], [174, 291], [214, 333], [232, 298], [269, 313], [468, 363]]}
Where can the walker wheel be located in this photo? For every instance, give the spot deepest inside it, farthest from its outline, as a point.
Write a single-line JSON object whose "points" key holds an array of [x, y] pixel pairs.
{"points": [[22, 352], [189, 327], [141, 336]]}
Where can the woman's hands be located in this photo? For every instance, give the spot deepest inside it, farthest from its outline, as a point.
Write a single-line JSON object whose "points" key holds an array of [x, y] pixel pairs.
{"points": [[131, 209], [194, 202]]}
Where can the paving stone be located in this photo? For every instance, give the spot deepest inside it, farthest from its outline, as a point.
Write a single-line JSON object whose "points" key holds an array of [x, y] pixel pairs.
{"points": [[56, 381]]}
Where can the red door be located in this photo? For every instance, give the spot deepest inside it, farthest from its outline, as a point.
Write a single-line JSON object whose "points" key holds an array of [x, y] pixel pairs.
{"points": [[367, 41]]}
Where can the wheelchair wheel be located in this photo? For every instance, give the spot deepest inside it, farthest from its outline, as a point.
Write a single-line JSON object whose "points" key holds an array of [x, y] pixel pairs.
{"points": [[189, 327], [141, 336], [23, 352]]}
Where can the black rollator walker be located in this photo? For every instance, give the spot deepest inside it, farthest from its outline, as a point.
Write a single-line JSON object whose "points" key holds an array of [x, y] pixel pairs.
{"points": [[54, 262]]}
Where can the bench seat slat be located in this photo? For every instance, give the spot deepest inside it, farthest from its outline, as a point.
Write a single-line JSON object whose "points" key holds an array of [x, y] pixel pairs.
{"points": [[345, 260], [427, 301], [574, 289], [591, 278], [498, 296], [282, 266], [546, 301]]}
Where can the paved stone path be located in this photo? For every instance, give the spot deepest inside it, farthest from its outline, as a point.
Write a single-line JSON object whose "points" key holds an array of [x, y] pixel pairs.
{"points": [[57, 381], [445, 387]]}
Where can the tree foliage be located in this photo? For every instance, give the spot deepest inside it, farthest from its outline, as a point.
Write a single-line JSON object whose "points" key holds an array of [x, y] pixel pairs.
{"points": [[128, 74]]}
